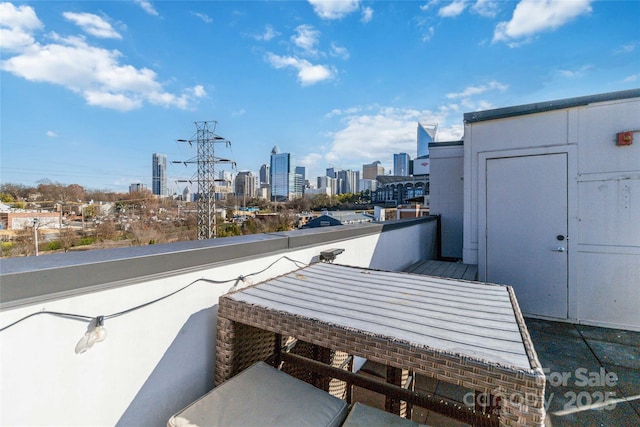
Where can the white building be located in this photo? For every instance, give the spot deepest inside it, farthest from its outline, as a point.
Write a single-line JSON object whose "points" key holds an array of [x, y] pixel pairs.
{"points": [[544, 197]]}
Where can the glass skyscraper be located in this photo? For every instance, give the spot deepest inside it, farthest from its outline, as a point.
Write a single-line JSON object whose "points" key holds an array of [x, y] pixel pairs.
{"points": [[281, 176], [401, 163], [264, 174], [159, 175], [426, 134]]}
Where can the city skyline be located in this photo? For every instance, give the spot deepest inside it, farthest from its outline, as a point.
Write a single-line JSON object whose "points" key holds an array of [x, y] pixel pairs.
{"points": [[91, 89]]}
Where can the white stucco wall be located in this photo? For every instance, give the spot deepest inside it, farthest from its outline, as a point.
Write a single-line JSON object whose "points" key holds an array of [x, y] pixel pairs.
{"points": [[157, 359]]}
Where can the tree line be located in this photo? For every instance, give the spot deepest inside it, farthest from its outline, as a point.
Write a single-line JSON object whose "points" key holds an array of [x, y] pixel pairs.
{"points": [[140, 218]]}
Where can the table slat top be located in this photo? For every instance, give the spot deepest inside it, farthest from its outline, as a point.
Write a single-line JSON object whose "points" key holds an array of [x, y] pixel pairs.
{"points": [[467, 318]]}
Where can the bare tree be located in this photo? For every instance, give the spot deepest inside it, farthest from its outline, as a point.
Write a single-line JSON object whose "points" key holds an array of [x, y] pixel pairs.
{"points": [[68, 238], [105, 230]]}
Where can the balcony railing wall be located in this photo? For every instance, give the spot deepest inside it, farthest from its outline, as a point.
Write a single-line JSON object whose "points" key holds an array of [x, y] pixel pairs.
{"points": [[161, 356]]}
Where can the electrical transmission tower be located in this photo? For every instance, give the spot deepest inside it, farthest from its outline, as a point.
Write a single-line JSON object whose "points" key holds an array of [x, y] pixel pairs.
{"points": [[206, 160]]}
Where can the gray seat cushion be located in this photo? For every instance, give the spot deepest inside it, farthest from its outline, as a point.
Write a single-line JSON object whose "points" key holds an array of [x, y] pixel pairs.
{"points": [[263, 396], [366, 416]]}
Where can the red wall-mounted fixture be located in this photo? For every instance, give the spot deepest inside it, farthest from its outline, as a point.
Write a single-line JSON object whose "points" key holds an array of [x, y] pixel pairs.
{"points": [[625, 138]]}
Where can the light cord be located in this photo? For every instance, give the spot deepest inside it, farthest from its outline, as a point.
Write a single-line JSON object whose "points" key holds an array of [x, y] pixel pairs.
{"points": [[81, 317]]}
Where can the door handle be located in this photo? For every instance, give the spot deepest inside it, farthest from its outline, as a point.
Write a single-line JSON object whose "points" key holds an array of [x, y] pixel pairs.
{"points": [[559, 249]]}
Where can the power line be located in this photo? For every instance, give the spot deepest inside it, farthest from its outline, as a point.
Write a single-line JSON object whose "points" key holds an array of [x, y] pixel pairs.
{"points": [[206, 161]]}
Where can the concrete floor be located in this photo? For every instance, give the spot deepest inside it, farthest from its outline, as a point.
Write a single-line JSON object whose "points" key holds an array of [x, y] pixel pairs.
{"points": [[586, 366]]}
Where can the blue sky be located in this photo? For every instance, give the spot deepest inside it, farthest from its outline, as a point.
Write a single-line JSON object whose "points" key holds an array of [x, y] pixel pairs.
{"points": [[90, 89]]}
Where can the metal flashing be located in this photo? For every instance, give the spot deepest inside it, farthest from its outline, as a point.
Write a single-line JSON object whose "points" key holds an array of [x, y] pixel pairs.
{"points": [[540, 107], [28, 279], [445, 144]]}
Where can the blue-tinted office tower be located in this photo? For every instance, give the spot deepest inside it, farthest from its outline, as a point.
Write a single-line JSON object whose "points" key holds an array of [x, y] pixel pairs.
{"points": [[401, 162], [426, 134], [280, 169], [285, 183], [159, 174]]}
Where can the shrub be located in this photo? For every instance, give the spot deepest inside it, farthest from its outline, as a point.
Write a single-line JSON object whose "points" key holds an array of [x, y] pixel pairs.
{"points": [[86, 241], [6, 248], [54, 245]]}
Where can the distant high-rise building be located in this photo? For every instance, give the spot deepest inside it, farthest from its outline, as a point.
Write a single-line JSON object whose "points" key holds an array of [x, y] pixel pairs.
{"points": [[348, 181], [245, 185], [224, 184], [332, 172], [301, 171], [137, 188], [401, 164], [372, 171], [264, 174], [159, 174], [285, 183], [368, 184], [426, 134], [329, 183], [279, 179]]}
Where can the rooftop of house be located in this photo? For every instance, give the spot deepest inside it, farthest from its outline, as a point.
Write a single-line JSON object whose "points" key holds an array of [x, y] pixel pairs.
{"points": [[159, 304], [539, 107]]}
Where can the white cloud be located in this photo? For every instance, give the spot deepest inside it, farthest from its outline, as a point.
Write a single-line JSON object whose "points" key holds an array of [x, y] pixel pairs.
{"points": [[367, 14], [632, 78], [471, 105], [311, 162], [114, 101], [92, 24], [624, 49], [575, 73], [376, 133], [428, 34], [198, 91], [450, 133], [306, 38], [334, 9], [206, 18], [339, 51], [147, 7], [477, 90], [453, 9], [368, 133], [308, 73], [428, 5], [238, 113], [95, 73], [486, 8], [268, 34], [534, 16], [16, 26], [51, 134]]}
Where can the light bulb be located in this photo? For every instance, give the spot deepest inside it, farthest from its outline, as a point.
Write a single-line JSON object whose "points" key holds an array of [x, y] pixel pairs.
{"points": [[86, 342], [100, 333], [96, 334]]}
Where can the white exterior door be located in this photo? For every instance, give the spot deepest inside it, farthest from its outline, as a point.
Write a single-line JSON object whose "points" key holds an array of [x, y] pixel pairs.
{"points": [[526, 230]]}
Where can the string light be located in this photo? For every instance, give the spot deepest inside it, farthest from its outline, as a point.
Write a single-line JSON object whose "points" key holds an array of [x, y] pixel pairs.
{"points": [[96, 332]]}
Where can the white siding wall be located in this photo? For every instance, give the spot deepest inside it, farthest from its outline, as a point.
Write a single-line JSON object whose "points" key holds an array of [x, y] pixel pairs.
{"points": [[604, 191], [608, 265], [446, 190]]}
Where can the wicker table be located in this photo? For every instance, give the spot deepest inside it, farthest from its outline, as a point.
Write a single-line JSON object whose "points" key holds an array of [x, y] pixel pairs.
{"points": [[465, 333]]}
